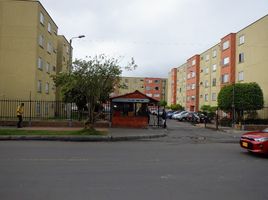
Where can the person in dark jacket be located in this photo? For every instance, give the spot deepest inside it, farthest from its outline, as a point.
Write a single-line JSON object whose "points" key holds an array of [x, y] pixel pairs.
{"points": [[164, 118]]}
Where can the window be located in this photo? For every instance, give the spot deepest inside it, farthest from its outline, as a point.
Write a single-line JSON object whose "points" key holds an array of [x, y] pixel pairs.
{"points": [[40, 63], [38, 108], [147, 88], [156, 81], [225, 78], [156, 88], [226, 61], [150, 81], [149, 95], [41, 40], [214, 81], [214, 54], [156, 95], [206, 84], [42, 18], [193, 74], [188, 87], [48, 67], [241, 58], [206, 70], [39, 86], [188, 75], [193, 86], [240, 76], [192, 98], [49, 27], [54, 68], [214, 67], [206, 97], [225, 45], [49, 47], [241, 39], [207, 57], [47, 88], [213, 97], [188, 98], [193, 62]]}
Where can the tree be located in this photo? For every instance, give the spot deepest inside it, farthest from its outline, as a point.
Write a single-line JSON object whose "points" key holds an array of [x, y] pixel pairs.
{"points": [[162, 103], [176, 107], [91, 82], [241, 97]]}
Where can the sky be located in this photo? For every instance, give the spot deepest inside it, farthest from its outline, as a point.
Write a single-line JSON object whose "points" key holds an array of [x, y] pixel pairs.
{"points": [[158, 34]]}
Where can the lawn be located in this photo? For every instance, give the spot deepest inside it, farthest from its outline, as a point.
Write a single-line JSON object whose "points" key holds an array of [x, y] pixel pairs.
{"points": [[82, 132]]}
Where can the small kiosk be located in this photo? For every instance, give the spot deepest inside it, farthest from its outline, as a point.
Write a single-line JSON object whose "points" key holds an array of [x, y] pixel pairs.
{"points": [[131, 110]]}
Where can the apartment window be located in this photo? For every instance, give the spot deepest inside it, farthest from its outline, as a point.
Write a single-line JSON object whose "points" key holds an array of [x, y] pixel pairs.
{"points": [[42, 18], [188, 87], [147, 88], [188, 98], [241, 39], [241, 58], [156, 88], [49, 47], [225, 78], [47, 88], [214, 53], [49, 27], [240, 76], [41, 40], [214, 81], [207, 57], [226, 61], [206, 70], [188, 75], [193, 62], [149, 94], [156, 81], [214, 67], [213, 96], [40, 63], [150, 81], [48, 67], [156, 95], [206, 84], [206, 97], [39, 86], [193, 74], [193, 86], [54, 68], [192, 98], [225, 45]]}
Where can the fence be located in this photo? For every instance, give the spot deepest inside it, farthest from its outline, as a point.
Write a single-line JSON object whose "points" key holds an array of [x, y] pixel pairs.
{"points": [[46, 110]]}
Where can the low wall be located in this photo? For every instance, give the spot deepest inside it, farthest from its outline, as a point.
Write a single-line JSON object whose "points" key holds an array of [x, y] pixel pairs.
{"points": [[253, 127], [44, 123], [129, 122]]}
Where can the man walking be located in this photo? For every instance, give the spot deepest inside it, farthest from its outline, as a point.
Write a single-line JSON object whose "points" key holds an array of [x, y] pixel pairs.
{"points": [[19, 114], [164, 118]]}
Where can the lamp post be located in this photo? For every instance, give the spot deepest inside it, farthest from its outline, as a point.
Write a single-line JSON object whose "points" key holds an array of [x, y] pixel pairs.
{"points": [[71, 50], [233, 105], [69, 105]]}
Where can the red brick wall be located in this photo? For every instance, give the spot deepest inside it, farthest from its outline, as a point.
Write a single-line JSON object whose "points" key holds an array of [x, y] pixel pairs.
{"points": [[129, 122]]}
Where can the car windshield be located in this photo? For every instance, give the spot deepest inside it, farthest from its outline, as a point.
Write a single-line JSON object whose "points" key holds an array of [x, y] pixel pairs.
{"points": [[265, 130]]}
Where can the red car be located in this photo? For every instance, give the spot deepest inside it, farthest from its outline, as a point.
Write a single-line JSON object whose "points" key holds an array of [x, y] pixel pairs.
{"points": [[256, 141]]}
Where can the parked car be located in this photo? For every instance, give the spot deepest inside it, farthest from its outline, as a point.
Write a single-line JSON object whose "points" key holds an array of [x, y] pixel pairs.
{"points": [[193, 117], [256, 141], [169, 114], [175, 114], [182, 116]]}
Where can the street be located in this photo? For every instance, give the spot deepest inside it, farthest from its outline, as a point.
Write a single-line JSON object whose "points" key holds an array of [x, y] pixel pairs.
{"points": [[190, 163]]}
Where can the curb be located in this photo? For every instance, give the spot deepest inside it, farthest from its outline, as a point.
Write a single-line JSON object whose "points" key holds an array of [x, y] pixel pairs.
{"points": [[80, 138]]}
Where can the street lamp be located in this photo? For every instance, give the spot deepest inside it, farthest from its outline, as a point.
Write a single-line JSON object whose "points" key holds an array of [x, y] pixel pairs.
{"points": [[71, 50], [69, 105]]}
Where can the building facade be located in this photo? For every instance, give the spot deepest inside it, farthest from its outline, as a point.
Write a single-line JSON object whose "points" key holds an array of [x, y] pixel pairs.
{"points": [[238, 58], [152, 87]]}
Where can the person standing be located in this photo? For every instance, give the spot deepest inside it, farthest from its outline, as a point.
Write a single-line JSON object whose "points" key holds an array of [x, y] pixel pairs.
{"points": [[164, 118], [20, 110]]}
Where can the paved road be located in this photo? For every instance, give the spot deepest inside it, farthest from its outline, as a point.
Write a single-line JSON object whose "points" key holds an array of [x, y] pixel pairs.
{"points": [[180, 166]]}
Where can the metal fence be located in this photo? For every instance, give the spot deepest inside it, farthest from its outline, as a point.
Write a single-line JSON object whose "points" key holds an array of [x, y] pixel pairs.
{"points": [[47, 110]]}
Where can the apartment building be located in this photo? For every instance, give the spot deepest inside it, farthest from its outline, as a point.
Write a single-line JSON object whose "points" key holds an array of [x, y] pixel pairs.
{"points": [[238, 57], [210, 77], [28, 51], [152, 87], [181, 85]]}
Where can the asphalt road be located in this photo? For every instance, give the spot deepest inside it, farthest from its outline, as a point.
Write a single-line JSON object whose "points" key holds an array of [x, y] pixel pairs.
{"points": [[191, 163]]}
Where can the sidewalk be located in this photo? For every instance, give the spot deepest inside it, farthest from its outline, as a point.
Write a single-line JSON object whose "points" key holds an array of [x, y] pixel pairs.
{"points": [[114, 134]]}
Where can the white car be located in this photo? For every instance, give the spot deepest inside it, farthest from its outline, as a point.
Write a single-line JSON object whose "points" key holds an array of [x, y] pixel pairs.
{"points": [[177, 115]]}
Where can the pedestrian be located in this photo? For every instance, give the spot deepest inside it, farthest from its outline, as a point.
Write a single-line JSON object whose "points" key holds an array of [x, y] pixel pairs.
{"points": [[164, 118], [20, 110]]}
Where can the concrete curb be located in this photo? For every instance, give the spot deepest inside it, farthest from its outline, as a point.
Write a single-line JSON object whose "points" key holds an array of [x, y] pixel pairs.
{"points": [[81, 138]]}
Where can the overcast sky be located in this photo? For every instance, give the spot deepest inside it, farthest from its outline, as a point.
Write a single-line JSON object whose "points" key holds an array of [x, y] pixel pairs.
{"points": [[159, 34]]}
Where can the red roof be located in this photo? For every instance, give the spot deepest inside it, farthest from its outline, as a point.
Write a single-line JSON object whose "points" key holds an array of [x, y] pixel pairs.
{"points": [[136, 95]]}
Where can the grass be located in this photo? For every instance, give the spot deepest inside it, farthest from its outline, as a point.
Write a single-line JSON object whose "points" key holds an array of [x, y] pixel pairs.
{"points": [[82, 132]]}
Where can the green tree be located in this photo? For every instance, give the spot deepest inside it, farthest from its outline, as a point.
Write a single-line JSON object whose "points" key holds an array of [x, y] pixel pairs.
{"points": [[242, 97], [162, 103], [176, 107], [91, 82]]}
